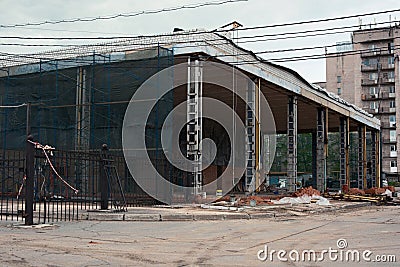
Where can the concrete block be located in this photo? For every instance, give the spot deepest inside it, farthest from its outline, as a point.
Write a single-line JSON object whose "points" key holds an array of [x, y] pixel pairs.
{"points": [[106, 216], [176, 217], [142, 217], [209, 217], [261, 215], [237, 216]]}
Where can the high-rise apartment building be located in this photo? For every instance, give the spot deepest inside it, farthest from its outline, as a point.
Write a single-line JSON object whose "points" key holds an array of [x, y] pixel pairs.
{"points": [[365, 72]]}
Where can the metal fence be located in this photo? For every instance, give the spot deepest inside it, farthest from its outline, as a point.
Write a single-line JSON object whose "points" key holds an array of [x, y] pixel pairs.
{"points": [[55, 178]]}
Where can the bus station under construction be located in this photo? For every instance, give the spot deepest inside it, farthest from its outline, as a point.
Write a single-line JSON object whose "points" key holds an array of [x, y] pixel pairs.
{"points": [[75, 100]]}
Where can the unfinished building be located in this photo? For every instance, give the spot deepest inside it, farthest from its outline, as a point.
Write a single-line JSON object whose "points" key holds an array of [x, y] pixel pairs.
{"points": [[78, 97]]}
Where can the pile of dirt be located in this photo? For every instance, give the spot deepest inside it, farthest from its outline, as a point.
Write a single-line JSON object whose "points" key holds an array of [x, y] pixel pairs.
{"points": [[309, 191]]}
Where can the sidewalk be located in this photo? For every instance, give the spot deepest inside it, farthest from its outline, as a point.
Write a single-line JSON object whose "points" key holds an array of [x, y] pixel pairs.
{"points": [[207, 212]]}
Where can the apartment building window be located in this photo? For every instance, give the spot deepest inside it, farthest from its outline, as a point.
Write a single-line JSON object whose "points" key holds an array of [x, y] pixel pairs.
{"points": [[339, 79], [372, 47], [393, 163], [391, 89], [390, 75], [339, 91], [391, 47], [392, 119], [373, 76], [373, 91], [373, 105], [391, 60], [392, 104], [392, 135], [393, 148]]}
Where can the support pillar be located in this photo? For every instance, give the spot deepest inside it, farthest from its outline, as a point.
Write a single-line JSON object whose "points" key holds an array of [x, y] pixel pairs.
{"points": [[292, 143], [30, 176], [321, 147], [344, 152], [251, 142], [373, 159], [362, 157], [194, 119], [314, 159]]}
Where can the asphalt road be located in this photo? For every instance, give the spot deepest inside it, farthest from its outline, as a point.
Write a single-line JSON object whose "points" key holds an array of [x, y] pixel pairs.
{"points": [[210, 243]]}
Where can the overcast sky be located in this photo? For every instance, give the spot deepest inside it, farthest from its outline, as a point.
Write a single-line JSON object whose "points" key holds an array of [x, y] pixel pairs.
{"points": [[250, 13]]}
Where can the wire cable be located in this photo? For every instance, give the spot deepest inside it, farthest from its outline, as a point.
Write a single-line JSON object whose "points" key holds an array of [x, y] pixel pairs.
{"points": [[122, 15]]}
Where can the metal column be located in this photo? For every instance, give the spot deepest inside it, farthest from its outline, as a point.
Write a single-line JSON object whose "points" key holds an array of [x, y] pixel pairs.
{"points": [[362, 157], [292, 143], [378, 159], [344, 151], [252, 138], [194, 126], [373, 159], [322, 141], [82, 111]]}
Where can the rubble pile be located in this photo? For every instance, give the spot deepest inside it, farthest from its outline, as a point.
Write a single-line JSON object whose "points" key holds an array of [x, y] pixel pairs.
{"points": [[260, 200], [375, 191], [308, 191], [356, 191]]}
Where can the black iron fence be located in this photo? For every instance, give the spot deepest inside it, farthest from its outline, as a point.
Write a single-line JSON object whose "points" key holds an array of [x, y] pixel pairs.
{"points": [[57, 174]]}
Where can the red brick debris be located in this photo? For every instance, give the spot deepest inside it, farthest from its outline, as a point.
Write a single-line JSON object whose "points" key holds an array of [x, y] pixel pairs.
{"points": [[309, 191]]}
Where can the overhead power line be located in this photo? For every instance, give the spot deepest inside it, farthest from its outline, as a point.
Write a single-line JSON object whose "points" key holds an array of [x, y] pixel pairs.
{"points": [[200, 32], [122, 15]]}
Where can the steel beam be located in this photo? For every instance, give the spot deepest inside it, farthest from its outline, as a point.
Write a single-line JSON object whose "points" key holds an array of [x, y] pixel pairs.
{"points": [[344, 152], [292, 143], [194, 119], [321, 147], [362, 157]]}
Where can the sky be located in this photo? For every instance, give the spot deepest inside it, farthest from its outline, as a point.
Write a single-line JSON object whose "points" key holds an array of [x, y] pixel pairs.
{"points": [[249, 13]]}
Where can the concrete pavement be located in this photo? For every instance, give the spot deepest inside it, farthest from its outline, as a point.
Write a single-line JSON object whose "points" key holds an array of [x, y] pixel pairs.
{"points": [[201, 243]]}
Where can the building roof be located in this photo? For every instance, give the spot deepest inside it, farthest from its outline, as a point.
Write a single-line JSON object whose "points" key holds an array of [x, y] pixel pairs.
{"points": [[215, 44]]}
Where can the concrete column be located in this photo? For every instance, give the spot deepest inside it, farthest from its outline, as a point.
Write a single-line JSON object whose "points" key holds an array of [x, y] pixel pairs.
{"points": [[321, 147], [292, 143], [362, 157], [344, 152]]}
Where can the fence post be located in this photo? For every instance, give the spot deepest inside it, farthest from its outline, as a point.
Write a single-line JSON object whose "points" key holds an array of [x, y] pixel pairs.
{"points": [[103, 178], [30, 173]]}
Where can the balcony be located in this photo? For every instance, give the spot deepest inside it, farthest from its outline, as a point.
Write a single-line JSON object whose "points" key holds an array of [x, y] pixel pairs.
{"points": [[393, 169], [387, 110], [387, 66], [369, 82], [387, 80], [377, 52], [369, 96], [384, 95], [369, 68], [388, 141], [388, 125], [393, 154]]}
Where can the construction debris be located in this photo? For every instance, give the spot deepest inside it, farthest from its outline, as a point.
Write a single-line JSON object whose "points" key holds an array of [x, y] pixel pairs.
{"points": [[304, 199], [308, 191]]}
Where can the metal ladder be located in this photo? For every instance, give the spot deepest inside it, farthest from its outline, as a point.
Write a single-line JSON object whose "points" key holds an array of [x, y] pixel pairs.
{"points": [[250, 141], [118, 199], [194, 126]]}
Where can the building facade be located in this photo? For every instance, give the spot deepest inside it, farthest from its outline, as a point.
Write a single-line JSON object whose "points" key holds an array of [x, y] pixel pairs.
{"points": [[366, 73]]}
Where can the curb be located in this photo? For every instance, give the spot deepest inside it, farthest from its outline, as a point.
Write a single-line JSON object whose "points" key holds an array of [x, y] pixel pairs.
{"points": [[156, 217]]}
